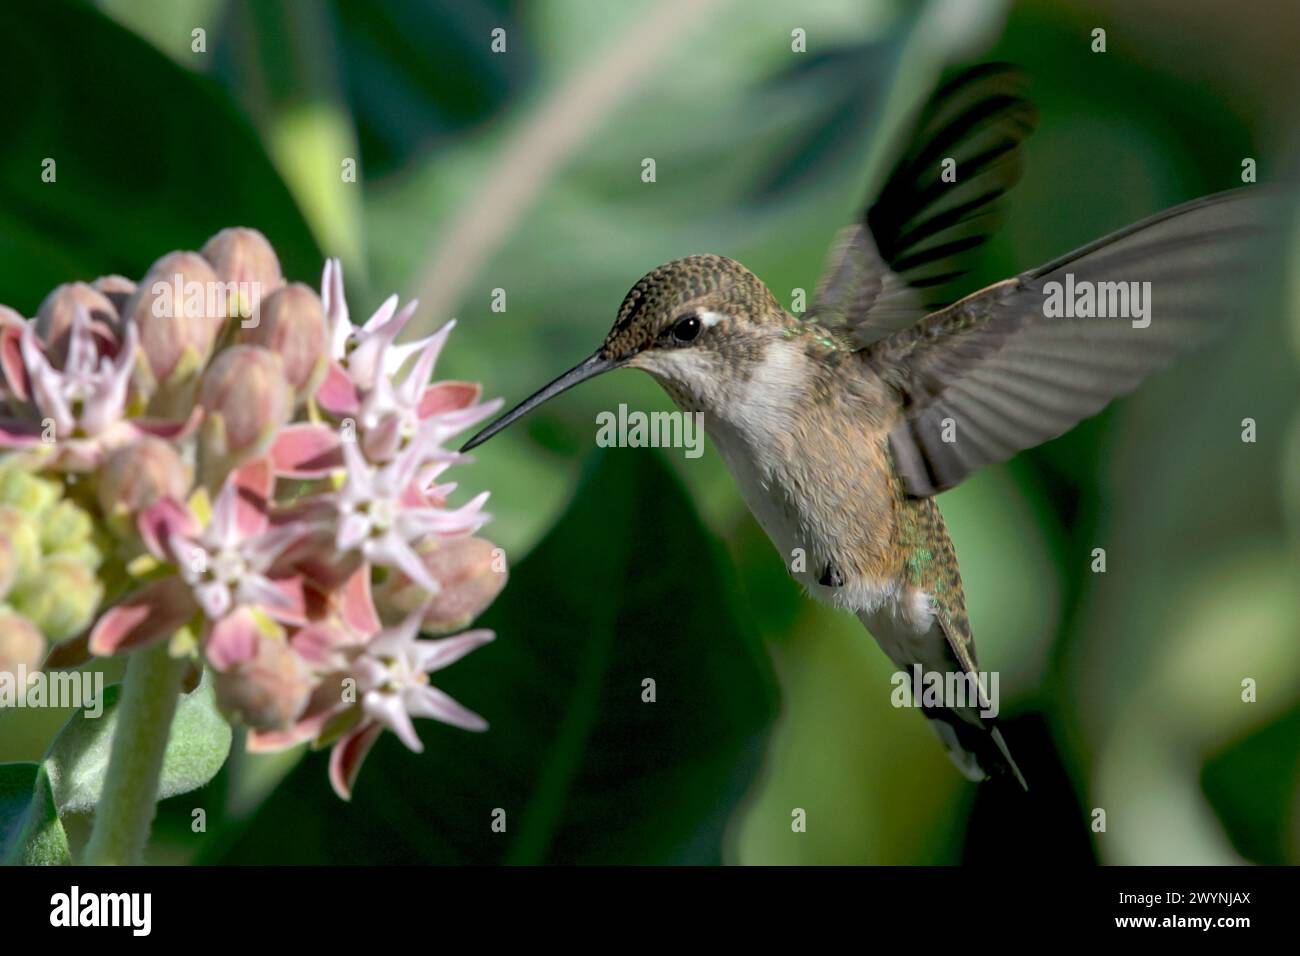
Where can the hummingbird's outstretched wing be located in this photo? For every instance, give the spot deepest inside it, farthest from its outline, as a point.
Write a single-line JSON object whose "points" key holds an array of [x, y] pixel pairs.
{"points": [[902, 261], [1018, 363]]}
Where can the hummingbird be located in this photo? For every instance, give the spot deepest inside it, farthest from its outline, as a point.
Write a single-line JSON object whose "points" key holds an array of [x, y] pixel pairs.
{"points": [[842, 425]]}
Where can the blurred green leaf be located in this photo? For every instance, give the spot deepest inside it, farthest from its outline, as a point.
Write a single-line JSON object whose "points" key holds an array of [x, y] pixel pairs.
{"points": [[1254, 787], [627, 587], [30, 831], [156, 159], [417, 73], [198, 746]]}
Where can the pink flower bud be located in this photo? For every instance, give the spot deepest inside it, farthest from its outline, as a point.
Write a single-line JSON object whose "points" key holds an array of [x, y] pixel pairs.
{"points": [[247, 400], [137, 475], [267, 692], [245, 262], [292, 324], [21, 644], [173, 309], [470, 571], [117, 289], [54, 318]]}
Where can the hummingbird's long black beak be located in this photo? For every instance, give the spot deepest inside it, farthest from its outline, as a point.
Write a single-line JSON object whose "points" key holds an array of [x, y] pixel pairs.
{"points": [[579, 373]]}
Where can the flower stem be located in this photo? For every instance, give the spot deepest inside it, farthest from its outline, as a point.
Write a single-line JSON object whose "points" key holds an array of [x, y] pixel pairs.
{"points": [[144, 720]]}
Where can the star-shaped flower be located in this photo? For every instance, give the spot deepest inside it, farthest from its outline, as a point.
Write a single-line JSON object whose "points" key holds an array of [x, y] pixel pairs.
{"points": [[84, 402], [383, 510], [88, 397], [227, 564], [362, 355], [225, 570], [392, 676]]}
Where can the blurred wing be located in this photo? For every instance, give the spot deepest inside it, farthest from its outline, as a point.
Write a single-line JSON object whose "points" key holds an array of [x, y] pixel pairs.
{"points": [[902, 261], [1005, 370], [859, 295]]}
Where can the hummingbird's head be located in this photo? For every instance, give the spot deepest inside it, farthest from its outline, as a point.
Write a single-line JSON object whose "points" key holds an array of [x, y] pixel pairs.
{"points": [[695, 324]]}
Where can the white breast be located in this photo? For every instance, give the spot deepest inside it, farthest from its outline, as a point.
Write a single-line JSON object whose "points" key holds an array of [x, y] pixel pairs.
{"points": [[757, 423]]}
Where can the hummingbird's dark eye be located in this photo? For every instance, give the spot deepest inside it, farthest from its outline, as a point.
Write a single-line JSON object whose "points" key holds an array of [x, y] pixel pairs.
{"points": [[686, 328]]}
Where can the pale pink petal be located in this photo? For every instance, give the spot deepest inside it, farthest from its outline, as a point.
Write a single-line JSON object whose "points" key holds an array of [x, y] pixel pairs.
{"points": [[160, 522], [258, 591], [151, 614], [413, 385], [391, 711], [322, 645], [414, 497], [448, 397], [109, 403], [11, 362], [337, 393], [398, 637], [224, 528], [398, 353], [81, 346], [468, 517], [358, 475], [431, 702], [451, 423], [335, 303], [306, 450], [254, 483], [391, 551], [347, 756], [363, 362], [263, 550], [214, 598], [353, 529], [381, 316], [435, 655], [46, 391], [233, 640], [383, 437], [357, 607], [293, 609]]}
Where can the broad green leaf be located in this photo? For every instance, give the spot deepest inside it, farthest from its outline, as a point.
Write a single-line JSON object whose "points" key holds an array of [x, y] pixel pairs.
{"points": [[198, 746], [1254, 787], [30, 831], [628, 587], [106, 177]]}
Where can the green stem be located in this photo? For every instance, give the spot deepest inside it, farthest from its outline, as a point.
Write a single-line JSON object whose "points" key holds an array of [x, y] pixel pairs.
{"points": [[144, 721]]}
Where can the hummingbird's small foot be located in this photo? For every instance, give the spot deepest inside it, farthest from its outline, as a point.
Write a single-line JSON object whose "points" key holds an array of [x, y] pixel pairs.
{"points": [[831, 577]]}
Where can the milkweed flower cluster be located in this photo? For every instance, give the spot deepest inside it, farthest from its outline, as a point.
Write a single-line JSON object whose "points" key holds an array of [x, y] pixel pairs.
{"points": [[223, 460]]}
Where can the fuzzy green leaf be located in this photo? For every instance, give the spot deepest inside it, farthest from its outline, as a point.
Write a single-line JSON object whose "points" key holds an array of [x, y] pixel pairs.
{"points": [[196, 750], [30, 831]]}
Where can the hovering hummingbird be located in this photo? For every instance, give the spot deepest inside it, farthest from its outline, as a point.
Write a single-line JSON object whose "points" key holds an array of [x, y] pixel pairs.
{"points": [[841, 426]]}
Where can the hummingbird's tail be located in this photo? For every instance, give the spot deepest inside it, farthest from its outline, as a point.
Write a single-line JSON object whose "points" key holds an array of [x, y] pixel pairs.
{"points": [[976, 747], [945, 685]]}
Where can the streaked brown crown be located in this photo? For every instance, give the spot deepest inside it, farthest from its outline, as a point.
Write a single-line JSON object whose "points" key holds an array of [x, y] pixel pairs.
{"points": [[665, 294]]}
